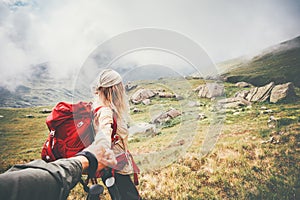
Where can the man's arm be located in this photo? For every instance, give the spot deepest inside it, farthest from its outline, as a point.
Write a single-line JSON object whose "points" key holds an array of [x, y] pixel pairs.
{"points": [[41, 180]]}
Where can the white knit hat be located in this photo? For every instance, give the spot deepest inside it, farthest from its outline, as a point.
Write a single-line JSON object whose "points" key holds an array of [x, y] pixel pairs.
{"points": [[108, 78]]}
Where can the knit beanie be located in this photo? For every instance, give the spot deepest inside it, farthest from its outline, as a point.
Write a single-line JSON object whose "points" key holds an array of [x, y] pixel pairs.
{"points": [[108, 78]]}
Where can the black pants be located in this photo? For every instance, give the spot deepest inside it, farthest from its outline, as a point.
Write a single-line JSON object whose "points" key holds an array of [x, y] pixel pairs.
{"points": [[124, 188]]}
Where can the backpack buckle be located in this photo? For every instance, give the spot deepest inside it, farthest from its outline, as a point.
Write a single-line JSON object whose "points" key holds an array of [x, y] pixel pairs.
{"points": [[115, 139], [52, 133]]}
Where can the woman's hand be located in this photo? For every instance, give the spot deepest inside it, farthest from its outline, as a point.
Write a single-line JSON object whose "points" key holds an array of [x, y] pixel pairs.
{"points": [[105, 157]]}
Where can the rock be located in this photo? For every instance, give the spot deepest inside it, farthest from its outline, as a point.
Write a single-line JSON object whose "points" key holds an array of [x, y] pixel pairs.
{"points": [[242, 94], [195, 77], [181, 142], [263, 108], [260, 94], [210, 90], [266, 111], [272, 122], [192, 104], [166, 116], [136, 110], [30, 116], [272, 140], [130, 86], [282, 92], [144, 128], [45, 110], [243, 84], [233, 102], [173, 113], [146, 102], [202, 104], [201, 116], [141, 95], [166, 95], [160, 90], [179, 98]]}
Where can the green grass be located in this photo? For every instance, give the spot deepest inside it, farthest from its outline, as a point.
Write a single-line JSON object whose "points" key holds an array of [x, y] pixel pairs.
{"points": [[21, 138], [241, 165]]}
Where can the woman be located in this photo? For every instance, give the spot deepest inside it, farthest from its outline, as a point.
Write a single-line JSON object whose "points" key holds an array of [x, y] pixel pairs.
{"points": [[111, 98]]}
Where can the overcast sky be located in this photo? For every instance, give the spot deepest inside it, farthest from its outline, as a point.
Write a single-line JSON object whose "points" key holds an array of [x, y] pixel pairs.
{"points": [[65, 32]]}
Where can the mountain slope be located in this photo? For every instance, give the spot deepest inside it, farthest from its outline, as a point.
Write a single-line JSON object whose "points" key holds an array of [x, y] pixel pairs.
{"points": [[36, 88], [280, 63]]}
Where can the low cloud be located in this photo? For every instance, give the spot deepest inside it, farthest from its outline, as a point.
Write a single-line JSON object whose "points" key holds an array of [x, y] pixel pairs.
{"points": [[64, 33], [34, 32]]}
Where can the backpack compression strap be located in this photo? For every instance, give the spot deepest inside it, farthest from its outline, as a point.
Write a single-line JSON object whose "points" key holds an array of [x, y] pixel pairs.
{"points": [[114, 140], [114, 126]]}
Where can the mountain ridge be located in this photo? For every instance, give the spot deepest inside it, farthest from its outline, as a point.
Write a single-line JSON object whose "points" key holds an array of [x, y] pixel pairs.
{"points": [[279, 63], [38, 87]]}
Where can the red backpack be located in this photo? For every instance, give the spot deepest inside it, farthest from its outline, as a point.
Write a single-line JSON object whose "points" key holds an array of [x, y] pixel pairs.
{"points": [[71, 130]]}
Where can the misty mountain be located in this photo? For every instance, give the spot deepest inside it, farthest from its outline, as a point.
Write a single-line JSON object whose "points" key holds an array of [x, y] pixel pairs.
{"points": [[36, 88], [39, 86], [279, 63], [150, 72]]}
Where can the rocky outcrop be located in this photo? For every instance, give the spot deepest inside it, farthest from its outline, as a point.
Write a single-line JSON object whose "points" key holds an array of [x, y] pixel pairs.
{"points": [[282, 92], [210, 90], [260, 94], [166, 116], [141, 95]]}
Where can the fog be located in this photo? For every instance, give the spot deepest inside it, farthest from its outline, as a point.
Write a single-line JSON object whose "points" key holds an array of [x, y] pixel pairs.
{"points": [[63, 33]]}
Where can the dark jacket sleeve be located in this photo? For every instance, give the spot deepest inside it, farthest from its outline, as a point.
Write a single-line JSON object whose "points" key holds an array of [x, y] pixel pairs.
{"points": [[40, 180]]}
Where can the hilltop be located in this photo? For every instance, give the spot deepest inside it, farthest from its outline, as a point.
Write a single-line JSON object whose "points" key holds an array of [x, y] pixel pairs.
{"points": [[279, 63]]}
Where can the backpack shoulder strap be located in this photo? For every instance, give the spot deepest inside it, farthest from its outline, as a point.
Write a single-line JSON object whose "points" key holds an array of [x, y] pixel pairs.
{"points": [[97, 109], [94, 111], [114, 126]]}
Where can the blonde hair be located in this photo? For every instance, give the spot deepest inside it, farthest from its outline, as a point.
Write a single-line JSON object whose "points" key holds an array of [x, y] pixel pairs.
{"points": [[116, 98]]}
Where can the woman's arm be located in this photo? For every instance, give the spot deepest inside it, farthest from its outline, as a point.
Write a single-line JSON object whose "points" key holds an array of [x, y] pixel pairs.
{"points": [[103, 122]]}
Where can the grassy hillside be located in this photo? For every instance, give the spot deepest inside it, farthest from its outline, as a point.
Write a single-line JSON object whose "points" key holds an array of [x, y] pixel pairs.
{"points": [[21, 138], [280, 64], [244, 164]]}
